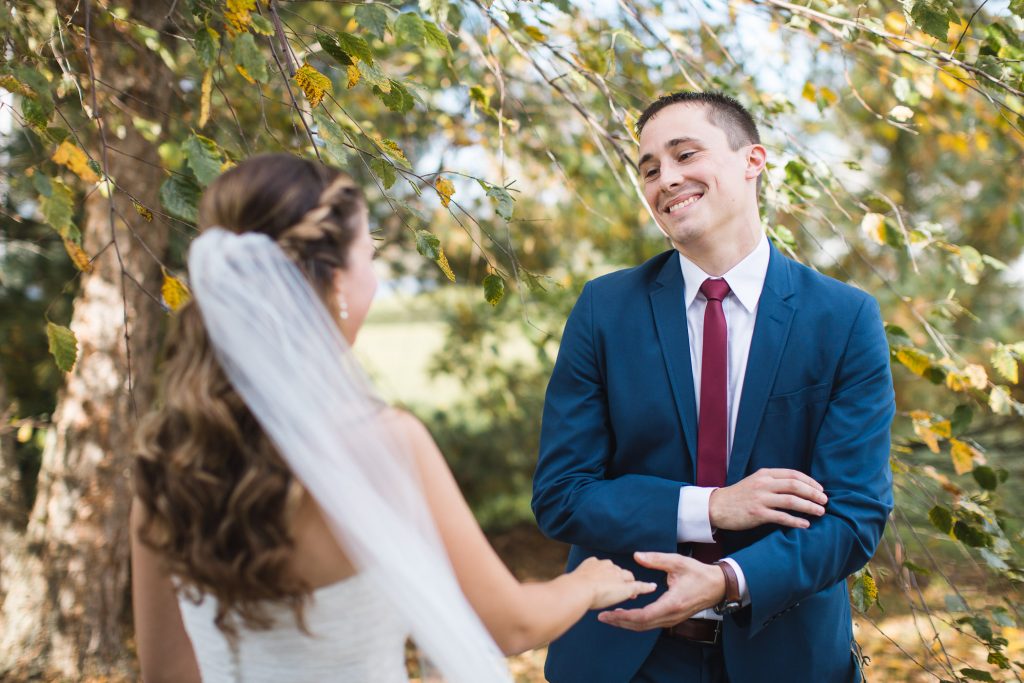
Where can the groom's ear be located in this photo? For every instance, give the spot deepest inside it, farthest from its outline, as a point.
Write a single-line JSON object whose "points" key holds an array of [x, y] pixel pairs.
{"points": [[756, 158]]}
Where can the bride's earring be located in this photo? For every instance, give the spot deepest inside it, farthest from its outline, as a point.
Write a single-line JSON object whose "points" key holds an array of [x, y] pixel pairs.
{"points": [[342, 306]]}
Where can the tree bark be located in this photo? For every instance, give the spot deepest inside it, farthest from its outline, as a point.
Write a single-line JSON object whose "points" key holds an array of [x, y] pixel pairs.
{"points": [[68, 604]]}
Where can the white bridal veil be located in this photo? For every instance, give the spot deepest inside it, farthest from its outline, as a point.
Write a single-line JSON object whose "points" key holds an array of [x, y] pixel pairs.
{"points": [[287, 359]]}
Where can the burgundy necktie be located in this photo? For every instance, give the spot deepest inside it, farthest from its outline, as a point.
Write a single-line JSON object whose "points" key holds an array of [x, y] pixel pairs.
{"points": [[713, 421]]}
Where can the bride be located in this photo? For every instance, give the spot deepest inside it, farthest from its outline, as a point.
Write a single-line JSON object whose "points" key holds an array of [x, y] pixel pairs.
{"points": [[287, 524]]}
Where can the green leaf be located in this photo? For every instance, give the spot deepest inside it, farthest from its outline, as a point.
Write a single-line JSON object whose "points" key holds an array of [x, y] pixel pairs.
{"points": [[916, 568], [961, 418], [954, 603], [980, 626], [332, 137], [941, 518], [262, 25], [372, 74], [436, 37], [428, 245], [435, 9], [971, 535], [494, 289], [409, 29], [331, 47], [180, 197], [977, 675], [355, 47], [249, 57], [63, 346], [203, 157], [58, 209], [1017, 7], [931, 16], [502, 200], [373, 18], [986, 477], [384, 170], [207, 46], [397, 99], [42, 184]]}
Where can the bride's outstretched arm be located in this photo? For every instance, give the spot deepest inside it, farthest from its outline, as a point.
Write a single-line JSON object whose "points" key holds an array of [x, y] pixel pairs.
{"points": [[165, 652], [519, 616]]}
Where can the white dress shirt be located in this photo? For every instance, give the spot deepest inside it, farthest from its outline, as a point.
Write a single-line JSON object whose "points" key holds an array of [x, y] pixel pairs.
{"points": [[746, 280]]}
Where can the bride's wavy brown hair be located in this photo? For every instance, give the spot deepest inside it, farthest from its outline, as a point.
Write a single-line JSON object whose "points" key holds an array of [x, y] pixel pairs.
{"points": [[216, 496]]}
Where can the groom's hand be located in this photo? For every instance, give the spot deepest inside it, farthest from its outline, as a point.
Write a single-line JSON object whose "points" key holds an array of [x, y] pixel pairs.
{"points": [[692, 587], [763, 498]]}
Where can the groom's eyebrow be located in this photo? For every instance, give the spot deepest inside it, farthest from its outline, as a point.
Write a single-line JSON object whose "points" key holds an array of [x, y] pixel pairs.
{"points": [[674, 142]]}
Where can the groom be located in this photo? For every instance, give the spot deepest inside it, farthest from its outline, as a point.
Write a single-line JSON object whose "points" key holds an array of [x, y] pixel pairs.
{"points": [[726, 410]]}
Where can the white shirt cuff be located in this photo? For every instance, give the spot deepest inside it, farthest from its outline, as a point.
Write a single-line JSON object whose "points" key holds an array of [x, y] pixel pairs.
{"points": [[693, 519], [741, 580]]}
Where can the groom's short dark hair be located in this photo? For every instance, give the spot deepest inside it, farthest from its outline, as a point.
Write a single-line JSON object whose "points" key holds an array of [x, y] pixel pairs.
{"points": [[723, 111]]}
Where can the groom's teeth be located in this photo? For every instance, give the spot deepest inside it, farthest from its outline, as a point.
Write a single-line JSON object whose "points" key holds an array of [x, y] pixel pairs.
{"points": [[680, 205]]}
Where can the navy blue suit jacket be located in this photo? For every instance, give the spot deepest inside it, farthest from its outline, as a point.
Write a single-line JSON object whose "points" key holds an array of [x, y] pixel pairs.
{"points": [[619, 438]]}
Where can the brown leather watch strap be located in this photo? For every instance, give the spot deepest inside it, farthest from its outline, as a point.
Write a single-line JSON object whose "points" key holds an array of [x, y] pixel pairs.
{"points": [[732, 583]]}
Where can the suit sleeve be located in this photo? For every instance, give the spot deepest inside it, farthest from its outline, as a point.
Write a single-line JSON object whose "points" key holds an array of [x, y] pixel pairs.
{"points": [[851, 460], [574, 498]]}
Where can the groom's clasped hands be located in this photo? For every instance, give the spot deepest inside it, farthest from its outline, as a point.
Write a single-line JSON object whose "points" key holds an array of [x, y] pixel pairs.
{"points": [[768, 496]]}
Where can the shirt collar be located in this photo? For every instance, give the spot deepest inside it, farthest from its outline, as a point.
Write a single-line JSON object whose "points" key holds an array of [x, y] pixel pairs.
{"points": [[746, 278]]}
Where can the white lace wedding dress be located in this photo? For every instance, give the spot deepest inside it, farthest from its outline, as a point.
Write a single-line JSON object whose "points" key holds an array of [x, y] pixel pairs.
{"points": [[354, 636]]}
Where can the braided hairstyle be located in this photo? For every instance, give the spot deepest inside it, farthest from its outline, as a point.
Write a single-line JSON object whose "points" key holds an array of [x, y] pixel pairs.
{"points": [[216, 497]]}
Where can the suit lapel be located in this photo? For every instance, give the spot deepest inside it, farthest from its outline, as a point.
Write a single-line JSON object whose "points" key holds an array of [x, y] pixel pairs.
{"points": [[771, 330], [667, 302]]}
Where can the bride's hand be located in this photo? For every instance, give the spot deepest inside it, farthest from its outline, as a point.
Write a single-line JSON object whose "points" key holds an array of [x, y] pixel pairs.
{"points": [[610, 583]]}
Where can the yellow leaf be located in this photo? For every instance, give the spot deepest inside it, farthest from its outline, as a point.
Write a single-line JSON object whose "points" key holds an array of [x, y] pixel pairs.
{"points": [[12, 84], [245, 74], [1005, 363], [963, 455], [392, 149], [828, 95], [313, 83], [999, 400], [24, 432], [895, 22], [873, 225], [146, 214], [175, 292], [206, 92], [926, 435], [353, 75], [238, 15], [442, 262], [535, 33], [943, 428], [78, 256], [70, 155], [445, 189], [916, 361], [976, 375], [921, 415], [951, 79], [809, 93]]}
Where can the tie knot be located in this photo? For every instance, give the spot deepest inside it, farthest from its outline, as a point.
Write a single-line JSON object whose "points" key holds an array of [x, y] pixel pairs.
{"points": [[715, 290]]}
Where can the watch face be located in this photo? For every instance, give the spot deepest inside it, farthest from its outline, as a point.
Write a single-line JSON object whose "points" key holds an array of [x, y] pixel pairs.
{"points": [[727, 607]]}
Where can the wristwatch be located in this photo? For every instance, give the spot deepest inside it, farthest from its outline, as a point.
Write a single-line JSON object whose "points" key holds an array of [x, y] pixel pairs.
{"points": [[731, 602]]}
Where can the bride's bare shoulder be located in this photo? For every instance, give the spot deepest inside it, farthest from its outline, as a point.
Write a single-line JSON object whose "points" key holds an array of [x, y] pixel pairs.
{"points": [[406, 424]]}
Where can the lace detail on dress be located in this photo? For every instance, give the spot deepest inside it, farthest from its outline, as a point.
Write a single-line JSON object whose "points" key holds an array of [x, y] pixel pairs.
{"points": [[355, 636]]}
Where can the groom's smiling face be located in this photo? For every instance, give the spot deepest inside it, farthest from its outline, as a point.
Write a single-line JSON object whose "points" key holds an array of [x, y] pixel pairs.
{"points": [[697, 185]]}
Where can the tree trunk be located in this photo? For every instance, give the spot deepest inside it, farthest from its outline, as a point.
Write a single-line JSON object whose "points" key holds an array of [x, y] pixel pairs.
{"points": [[68, 601]]}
